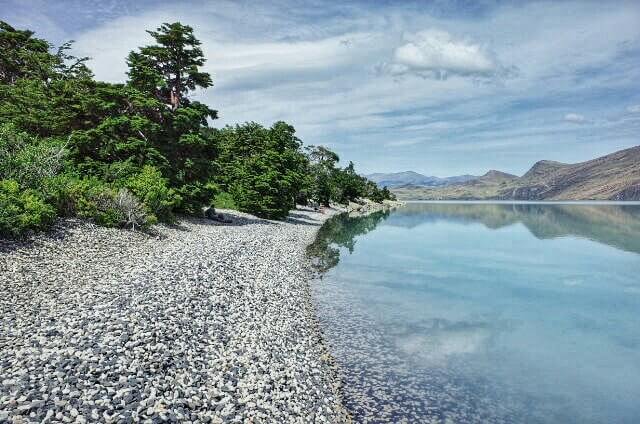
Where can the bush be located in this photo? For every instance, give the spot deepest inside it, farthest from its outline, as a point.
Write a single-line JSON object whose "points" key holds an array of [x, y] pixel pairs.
{"points": [[152, 189], [22, 211], [124, 209], [26, 159], [224, 200], [94, 199], [74, 196]]}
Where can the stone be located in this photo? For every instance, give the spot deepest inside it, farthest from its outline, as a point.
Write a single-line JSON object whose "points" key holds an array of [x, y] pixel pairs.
{"points": [[178, 325]]}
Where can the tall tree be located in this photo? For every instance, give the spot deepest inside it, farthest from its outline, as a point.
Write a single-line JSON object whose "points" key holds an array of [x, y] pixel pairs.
{"points": [[23, 55], [170, 68], [322, 169], [168, 71]]}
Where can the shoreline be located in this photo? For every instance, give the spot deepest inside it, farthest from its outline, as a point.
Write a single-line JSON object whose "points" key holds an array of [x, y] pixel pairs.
{"points": [[197, 321], [531, 202]]}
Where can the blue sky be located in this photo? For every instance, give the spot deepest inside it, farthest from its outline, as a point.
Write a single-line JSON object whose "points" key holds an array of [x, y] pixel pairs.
{"points": [[439, 87]]}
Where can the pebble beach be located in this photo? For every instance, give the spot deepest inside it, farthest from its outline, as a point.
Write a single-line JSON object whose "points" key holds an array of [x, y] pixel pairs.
{"points": [[195, 322]]}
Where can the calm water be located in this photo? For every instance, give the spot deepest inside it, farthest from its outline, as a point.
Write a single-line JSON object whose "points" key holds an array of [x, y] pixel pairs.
{"points": [[506, 313]]}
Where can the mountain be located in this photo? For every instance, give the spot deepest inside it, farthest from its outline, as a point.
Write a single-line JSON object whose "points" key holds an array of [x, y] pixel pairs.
{"points": [[542, 168], [612, 177], [494, 177], [486, 186], [414, 179]]}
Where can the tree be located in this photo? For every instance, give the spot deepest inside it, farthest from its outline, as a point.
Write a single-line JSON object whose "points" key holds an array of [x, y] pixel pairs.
{"points": [[351, 184], [125, 154], [322, 168], [38, 87], [23, 55], [169, 69], [262, 168]]}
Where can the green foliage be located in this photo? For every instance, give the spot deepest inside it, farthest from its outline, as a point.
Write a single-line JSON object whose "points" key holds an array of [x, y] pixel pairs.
{"points": [[22, 210], [151, 188], [169, 69], [340, 185], [166, 72], [107, 205], [22, 55], [224, 200], [322, 169], [262, 168], [74, 196], [119, 132], [26, 159], [26, 57], [132, 154]]}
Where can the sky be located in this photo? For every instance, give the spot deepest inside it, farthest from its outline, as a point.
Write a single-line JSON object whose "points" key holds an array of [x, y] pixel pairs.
{"points": [[438, 87]]}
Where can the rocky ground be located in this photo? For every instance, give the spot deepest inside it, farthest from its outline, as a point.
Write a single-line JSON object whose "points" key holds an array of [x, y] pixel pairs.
{"points": [[200, 322]]}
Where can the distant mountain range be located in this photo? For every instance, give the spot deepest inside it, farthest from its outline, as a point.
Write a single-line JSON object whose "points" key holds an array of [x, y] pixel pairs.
{"points": [[612, 177], [410, 178]]}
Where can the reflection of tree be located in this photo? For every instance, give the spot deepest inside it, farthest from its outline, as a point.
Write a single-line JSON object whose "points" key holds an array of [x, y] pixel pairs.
{"points": [[341, 231], [615, 225]]}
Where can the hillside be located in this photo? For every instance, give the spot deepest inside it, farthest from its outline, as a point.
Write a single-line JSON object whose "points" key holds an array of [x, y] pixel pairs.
{"points": [[486, 186], [612, 177], [411, 178], [493, 177]]}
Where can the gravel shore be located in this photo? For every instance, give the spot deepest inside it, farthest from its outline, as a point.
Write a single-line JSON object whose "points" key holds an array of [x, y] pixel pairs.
{"points": [[200, 322]]}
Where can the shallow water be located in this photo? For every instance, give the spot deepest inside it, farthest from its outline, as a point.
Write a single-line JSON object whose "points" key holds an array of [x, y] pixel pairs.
{"points": [[505, 313]]}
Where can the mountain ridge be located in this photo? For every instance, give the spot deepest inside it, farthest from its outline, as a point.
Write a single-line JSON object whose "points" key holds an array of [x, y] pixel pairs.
{"points": [[615, 176], [412, 178]]}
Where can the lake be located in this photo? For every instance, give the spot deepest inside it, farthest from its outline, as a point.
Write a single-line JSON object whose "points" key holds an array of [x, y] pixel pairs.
{"points": [[484, 313]]}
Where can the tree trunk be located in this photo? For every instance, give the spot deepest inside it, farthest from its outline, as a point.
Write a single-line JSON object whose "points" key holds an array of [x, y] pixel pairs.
{"points": [[175, 99]]}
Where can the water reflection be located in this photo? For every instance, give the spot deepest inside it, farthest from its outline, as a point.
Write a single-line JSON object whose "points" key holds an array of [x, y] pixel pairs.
{"points": [[341, 231], [615, 225], [483, 313]]}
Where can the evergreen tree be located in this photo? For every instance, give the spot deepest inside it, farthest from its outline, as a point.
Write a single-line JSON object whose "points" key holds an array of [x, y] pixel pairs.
{"points": [[169, 69], [322, 169], [262, 168], [130, 154]]}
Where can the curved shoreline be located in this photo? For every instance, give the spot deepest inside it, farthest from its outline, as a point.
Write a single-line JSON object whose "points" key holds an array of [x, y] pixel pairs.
{"points": [[200, 321]]}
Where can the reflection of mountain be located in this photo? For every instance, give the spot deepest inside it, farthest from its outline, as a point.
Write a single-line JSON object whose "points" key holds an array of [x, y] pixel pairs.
{"points": [[615, 225]]}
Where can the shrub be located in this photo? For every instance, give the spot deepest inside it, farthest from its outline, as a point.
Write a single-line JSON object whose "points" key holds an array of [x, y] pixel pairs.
{"points": [[194, 196], [26, 159], [22, 211], [124, 209], [94, 199], [74, 196], [152, 189], [224, 200]]}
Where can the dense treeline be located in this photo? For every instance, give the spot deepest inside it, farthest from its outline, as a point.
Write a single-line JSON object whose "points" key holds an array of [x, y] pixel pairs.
{"points": [[135, 153]]}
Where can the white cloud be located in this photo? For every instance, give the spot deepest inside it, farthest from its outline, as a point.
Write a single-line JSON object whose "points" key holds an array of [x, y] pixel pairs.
{"points": [[317, 70], [634, 109], [435, 53], [575, 118], [402, 143], [438, 346]]}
